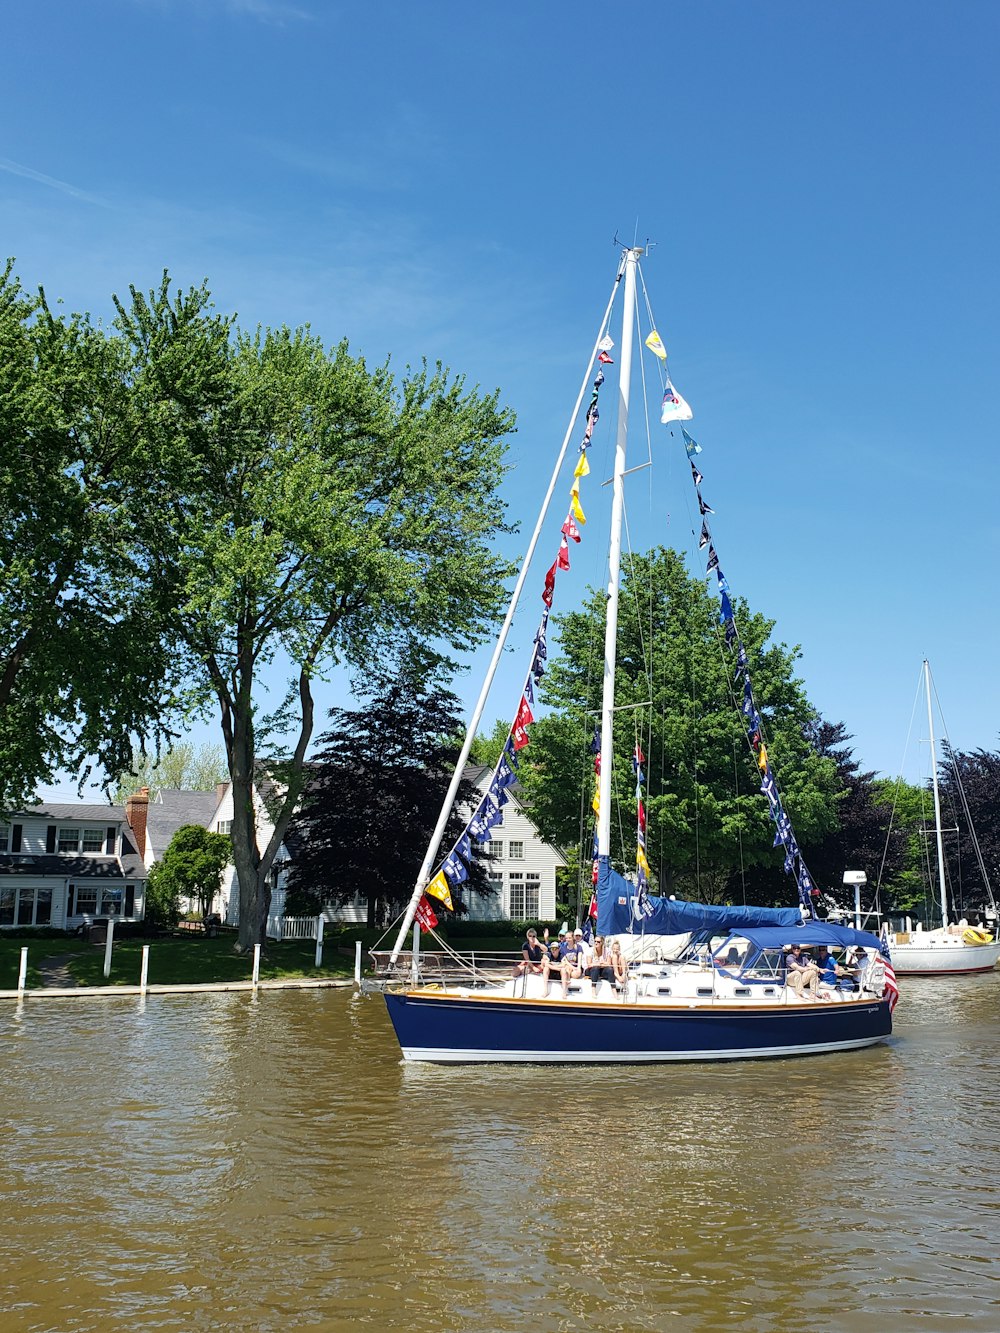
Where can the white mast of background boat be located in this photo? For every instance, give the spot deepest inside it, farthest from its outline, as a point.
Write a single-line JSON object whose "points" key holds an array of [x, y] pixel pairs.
{"points": [[628, 266], [615, 555], [937, 799]]}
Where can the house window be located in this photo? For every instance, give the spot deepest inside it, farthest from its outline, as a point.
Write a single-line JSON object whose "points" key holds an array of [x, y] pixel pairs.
{"points": [[111, 902], [224, 826], [86, 899], [494, 849], [69, 839], [524, 896], [43, 907], [7, 895], [4, 837], [515, 851], [93, 840]]}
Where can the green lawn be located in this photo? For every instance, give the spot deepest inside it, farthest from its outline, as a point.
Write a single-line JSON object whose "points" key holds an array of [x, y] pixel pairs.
{"points": [[173, 960]]}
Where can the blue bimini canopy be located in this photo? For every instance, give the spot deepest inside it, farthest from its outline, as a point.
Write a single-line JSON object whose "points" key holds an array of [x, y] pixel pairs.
{"points": [[618, 912], [810, 934]]}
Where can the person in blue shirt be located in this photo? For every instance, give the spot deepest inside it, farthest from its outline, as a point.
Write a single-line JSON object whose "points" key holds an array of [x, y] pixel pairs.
{"points": [[830, 973], [572, 963]]}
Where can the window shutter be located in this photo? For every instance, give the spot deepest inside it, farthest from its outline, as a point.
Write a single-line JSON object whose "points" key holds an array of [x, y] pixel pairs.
{"points": [[112, 835], [15, 837], [50, 838], [129, 900], [70, 899]]}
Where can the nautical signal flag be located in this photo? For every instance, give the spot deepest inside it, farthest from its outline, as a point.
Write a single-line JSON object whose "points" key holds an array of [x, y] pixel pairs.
{"points": [[655, 344], [574, 503], [604, 359], [424, 915], [524, 719], [439, 888], [674, 407], [582, 468], [550, 586]]}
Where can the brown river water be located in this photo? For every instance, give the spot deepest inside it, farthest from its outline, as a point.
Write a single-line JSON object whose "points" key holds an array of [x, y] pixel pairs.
{"points": [[230, 1162]]}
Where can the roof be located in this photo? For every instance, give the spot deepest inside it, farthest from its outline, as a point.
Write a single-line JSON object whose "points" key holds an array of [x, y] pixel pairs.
{"points": [[171, 810], [79, 812], [73, 867]]}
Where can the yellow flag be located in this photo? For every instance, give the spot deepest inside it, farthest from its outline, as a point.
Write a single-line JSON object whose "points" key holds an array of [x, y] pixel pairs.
{"points": [[762, 759], [574, 503], [640, 860], [438, 888], [595, 804], [655, 344], [582, 468]]}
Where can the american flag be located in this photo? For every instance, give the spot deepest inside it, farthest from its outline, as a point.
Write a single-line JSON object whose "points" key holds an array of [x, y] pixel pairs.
{"points": [[891, 989]]}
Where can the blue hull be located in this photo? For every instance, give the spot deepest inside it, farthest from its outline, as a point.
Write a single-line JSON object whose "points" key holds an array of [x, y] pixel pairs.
{"points": [[444, 1029]]}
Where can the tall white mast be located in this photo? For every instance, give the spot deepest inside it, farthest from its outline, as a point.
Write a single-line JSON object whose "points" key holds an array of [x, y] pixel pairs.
{"points": [[937, 798], [615, 556]]}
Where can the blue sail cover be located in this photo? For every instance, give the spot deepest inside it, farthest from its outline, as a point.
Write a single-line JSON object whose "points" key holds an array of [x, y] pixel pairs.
{"points": [[618, 912]]}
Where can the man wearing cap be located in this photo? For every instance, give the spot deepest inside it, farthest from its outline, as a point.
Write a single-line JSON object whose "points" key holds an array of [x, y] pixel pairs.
{"points": [[801, 973], [588, 949]]}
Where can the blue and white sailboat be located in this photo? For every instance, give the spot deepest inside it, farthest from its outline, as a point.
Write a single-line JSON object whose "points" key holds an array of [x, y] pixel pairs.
{"points": [[723, 994]]}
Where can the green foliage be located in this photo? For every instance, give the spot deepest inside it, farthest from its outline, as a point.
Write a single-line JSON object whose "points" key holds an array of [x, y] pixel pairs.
{"points": [[377, 787], [192, 866], [705, 813], [163, 902], [84, 658], [183, 767], [303, 509]]}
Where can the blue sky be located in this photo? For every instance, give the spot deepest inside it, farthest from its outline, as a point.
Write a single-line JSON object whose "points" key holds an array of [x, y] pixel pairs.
{"points": [[445, 180]]}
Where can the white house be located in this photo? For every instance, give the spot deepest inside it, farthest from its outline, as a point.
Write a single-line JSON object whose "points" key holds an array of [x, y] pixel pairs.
{"points": [[60, 863], [522, 865]]}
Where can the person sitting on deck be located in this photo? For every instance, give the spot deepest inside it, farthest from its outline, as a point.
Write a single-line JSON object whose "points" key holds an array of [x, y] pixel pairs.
{"points": [[601, 967], [572, 964], [585, 947], [830, 973], [801, 972], [619, 965], [533, 959]]}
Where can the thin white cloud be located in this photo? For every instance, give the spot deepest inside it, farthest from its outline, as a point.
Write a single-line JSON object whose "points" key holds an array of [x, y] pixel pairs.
{"points": [[64, 187]]}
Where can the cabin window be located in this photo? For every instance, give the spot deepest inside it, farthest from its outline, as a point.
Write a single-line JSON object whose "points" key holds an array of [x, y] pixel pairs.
{"points": [[741, 990], [69, 840], [705, 990], [93, 840], [663, 990], [515, 851]]}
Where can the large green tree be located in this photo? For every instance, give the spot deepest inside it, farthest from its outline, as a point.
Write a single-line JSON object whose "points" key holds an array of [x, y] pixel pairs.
{"points": [[85, 666], [706, 816], [302, 509]]}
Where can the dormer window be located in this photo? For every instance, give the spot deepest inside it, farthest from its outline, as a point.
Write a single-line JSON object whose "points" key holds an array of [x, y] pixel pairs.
{"points": [[68, 840], [4, 837], [93, 840]]}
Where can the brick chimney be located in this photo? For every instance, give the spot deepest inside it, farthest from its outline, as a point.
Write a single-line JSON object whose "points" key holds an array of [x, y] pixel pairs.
{"points": [[136, 810]]}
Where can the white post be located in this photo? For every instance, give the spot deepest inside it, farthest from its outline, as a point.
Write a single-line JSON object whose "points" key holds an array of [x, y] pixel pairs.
{"points": [[357, 963], [22, 972], [255, 979], [415, 965], [857, 907], [319, 941], [144, 973], [108, 946]]}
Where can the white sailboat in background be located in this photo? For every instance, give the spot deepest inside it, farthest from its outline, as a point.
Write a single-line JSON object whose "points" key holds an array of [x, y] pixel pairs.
{"points": [[952, 948]]}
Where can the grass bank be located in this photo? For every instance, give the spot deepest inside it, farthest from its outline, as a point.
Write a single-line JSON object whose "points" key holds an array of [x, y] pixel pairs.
{"points": [[173, 960]]}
